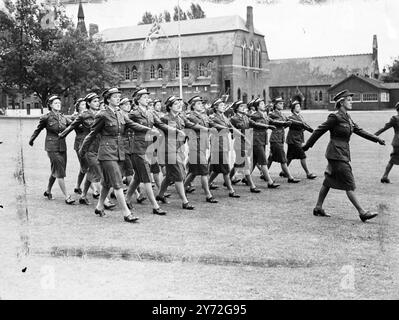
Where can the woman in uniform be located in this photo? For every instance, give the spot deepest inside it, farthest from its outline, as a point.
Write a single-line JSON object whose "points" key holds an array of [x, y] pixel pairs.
{"points": [[339, 174], [393, 123], [110, 124], [277, 153], [54, 122]]}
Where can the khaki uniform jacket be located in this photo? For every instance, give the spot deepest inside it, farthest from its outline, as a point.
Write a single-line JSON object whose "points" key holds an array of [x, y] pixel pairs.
{"points": [[341, 127], [54, 124], [111, 127], [296, 132], [260, 134], [220, 122], [393, 123], [279, 120]]}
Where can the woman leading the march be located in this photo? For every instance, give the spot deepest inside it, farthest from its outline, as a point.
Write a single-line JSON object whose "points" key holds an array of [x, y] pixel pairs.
{"points": [[54, 122], [338, 174], [110, 124]]}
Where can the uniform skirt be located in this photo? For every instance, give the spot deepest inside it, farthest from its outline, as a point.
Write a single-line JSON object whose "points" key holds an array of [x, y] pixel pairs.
{"points": [[175, 172], [277, 153], [111, 173], [58, 162], [295, 151], [338, 175], [395, 156], [259, 155], [127, 165], [82, 162], [142, 168], [94, 169], [220, 165]]}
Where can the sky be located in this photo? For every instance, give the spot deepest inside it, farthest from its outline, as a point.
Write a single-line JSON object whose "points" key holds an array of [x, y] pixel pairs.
{"points": [[291, 29]]}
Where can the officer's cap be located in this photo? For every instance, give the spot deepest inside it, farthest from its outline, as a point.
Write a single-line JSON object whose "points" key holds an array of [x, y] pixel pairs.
{"points": [[123, 101], [52, 98], [91, 96], [171, 100], [341, 95], [195, 99], [236, 104], [216, 102], [78, 102], [157, 100], [139, 92], [107, 93], [277, 100], [397, 106]]}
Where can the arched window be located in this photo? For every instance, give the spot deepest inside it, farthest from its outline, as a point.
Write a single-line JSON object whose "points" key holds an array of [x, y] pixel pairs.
{"points": [[186, 71], [316, 96], [243, 54], [160, 71], [251, 55], [177, 70], [244, 97], [238, 94], [152, 72], [201, 70], [259, 56], [134, 73], [320, 96], [127, 73], [247, 57], [209, 68], [264, 95]]}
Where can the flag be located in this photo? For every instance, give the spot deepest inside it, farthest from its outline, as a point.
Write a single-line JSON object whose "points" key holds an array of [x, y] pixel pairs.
{"points": [[153, 33]]}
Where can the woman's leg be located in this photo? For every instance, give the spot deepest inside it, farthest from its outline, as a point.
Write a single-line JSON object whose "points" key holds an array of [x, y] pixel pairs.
{"points": [[50, 184], [352, 197], [322, 196], [387, 170], [61, 183]]}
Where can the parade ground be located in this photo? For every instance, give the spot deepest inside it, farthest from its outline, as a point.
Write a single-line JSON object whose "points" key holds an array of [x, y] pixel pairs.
{"points": [[261, 246]]}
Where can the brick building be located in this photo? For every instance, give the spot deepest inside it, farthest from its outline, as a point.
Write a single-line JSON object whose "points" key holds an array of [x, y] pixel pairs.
{"points": [[222, 55]]}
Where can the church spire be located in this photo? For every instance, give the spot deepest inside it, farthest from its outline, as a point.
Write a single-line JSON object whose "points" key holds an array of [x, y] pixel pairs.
{"points": [[81, 19]]}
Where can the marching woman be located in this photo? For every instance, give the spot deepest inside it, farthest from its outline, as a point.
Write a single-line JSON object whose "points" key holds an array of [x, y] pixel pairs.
{"points": [[154, 165], [260, 140], [54, 122], [277, 153], [174, 149], [198, 147], [220, 146], [295, 138], [143, 148], [393, 123], [339, 174], [110, 124]]}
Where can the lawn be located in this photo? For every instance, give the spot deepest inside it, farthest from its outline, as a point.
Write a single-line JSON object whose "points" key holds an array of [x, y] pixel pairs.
{"points": [[261, 246]]}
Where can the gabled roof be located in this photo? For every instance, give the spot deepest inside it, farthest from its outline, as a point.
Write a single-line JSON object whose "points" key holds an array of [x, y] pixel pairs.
{"points": [[326, 70], [167, 48], [374, 82], [170, 29], [391, 85]]}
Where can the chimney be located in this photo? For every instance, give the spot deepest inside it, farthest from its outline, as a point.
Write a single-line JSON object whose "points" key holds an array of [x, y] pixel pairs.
{"points": [[376, 71], [250, 19]]}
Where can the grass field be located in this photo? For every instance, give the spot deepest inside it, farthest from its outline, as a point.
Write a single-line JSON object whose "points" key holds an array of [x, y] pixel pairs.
{"points": [[261, 246]]}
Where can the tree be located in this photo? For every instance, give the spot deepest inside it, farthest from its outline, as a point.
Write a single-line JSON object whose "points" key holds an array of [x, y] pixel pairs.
{"points": [[147, 18], [56, 60], [177, 10], [195, 12], [393, 72], [166, 15]]}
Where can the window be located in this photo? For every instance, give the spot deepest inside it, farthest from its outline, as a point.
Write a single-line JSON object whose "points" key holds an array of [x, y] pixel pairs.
{"points": [[238, 94], [244, 97], [320, 96], [186, 71], [370, 97], [201, 70], [209, 68], [160, 71], [247, 57], [384, 96], [177, 70], [251, 55], [316, 96], [152, 72], [264, 95], [36, 105], [127, 73], [259, 56], [134, 73], [243, 54]]}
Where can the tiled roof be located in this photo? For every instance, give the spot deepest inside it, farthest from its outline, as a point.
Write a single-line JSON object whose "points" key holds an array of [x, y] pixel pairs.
{"points": [[187, 27], [374, 82], [167, 48], [311, 71]]}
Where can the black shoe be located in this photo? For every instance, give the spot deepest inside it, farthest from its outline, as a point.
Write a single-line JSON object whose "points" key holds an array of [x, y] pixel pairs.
{"points": [[235, 181], [84, 201], [273, 185], [254, 190], [69, 200], [130, 218], [167, 195], [140, 200], [162, 199], [159, 212], [187, 206], [190, 189], [293, 180], [96, 195], [48, 195], [282, 174], [77, 190], [213, 186], [311, 176], [367, 216], [100, 213], [109, 206], [320, 213], [385, 180], [234, 195], [211, 200]]}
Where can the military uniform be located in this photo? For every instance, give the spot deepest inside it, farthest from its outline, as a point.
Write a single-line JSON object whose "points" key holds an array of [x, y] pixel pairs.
{"points": [[260, 138], [277, 137], [339, 174], [56, 147], [111, 126], [295, 137], [393, 123]]}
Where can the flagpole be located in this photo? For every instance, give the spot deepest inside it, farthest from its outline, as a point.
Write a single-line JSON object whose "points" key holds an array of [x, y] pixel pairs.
{"points": [[180, 63]]}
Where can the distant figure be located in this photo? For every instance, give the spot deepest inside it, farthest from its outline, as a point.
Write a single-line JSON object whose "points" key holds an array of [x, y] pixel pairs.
{"points": [[339, 174], [393, 123]]}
